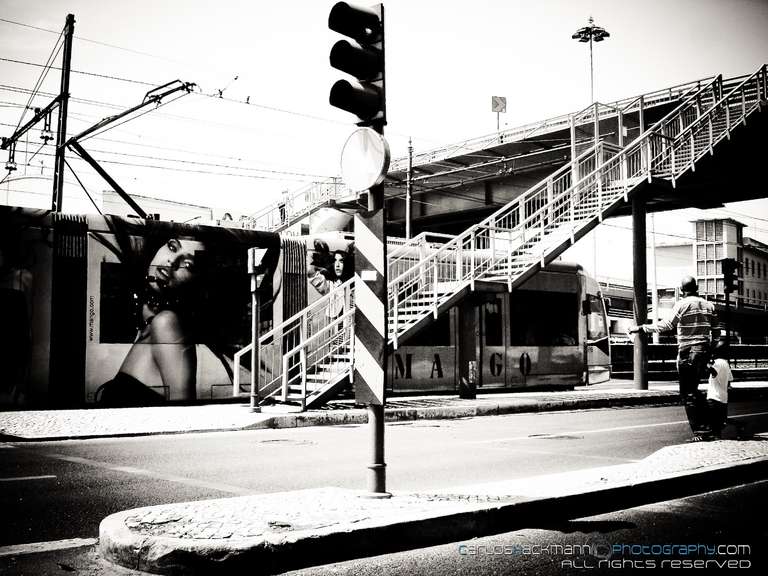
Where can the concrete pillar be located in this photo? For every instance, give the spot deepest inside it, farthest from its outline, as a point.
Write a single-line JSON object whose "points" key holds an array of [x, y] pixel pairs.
{"points": [[640, 363], [468, 347]]}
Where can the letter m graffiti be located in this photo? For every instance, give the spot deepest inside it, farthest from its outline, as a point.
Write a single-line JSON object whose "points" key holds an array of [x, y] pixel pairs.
{"points": [[403, 370]]}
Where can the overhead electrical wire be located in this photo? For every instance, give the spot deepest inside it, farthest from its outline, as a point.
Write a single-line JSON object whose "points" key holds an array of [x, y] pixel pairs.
{"points": [[276, 173], [54, 52], [192, 171], [89, 40]]}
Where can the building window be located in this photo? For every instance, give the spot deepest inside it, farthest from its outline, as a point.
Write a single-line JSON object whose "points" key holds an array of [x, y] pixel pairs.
{"points": [[494, 334], [544, 318], [719, 251], [746, 266], [710, 226], [718, 231], [700, 231]]}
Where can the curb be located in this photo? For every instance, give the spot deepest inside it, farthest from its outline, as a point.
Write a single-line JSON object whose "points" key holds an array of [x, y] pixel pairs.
{"points": [[359, 416], [265, 555], [356, 416]]}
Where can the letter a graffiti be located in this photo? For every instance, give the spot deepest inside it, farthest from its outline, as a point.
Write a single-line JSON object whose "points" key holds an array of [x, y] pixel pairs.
{"points": [[436, 365]]}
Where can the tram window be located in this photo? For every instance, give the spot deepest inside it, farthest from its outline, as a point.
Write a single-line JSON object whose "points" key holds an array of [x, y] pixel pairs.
{"points": [[438, 333], [596, 328], [544, 318], [492, 323]]}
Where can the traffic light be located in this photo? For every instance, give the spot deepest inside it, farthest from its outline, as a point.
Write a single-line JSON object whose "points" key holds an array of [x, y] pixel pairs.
{"points": [[363, 59], [730, 273]]}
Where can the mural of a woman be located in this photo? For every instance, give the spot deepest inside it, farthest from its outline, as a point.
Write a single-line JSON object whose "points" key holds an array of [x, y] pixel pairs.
{"points": [[163, 356]]}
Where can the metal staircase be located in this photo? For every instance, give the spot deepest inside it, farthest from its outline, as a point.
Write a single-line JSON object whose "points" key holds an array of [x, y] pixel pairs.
{"points": [[538, 226], [307, 357], [427, 278]]}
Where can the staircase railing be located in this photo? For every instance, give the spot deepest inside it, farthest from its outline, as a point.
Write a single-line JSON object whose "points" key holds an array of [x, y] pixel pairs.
{"points": [[300, 329], [298, 205], [513, 239], [657, 97], [320, 360]]}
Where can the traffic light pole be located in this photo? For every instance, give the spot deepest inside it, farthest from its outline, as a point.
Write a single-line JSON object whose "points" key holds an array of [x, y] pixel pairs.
{"points": [[363, 59], [377, 469]]}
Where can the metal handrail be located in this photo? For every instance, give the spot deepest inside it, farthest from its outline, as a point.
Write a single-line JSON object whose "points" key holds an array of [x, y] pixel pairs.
{"points": [[560, 171], [318, 304], [654, 98], [298, 205]]}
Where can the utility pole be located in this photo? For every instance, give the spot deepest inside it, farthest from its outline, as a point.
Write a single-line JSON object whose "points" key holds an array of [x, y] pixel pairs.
{"points": [[45, 114], [409, 192], [61, 135]]}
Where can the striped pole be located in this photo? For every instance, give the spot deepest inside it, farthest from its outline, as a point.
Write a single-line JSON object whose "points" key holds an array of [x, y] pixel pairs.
{"points": [[371, 330]]}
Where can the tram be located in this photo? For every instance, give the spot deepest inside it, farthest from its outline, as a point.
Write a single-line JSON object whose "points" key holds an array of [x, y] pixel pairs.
{"points": [[550, 332], [79, 293]]}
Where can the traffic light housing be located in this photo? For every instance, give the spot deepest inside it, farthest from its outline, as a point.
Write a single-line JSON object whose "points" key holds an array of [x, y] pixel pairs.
{"points": [[362, 58], [730, 275]]}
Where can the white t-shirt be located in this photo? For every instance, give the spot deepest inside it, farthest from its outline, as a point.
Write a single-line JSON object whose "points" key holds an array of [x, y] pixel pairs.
{"points": [[717, 388]]}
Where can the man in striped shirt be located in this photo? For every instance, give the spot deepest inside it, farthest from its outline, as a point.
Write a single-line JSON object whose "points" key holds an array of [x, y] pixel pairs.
{"points": [[697, 327]]}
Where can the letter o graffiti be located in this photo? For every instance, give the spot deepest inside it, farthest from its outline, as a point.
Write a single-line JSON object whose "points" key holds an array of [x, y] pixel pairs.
{"points": [[496, 364]]}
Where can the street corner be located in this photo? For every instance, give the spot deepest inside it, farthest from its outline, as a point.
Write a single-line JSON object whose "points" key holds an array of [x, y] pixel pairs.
{"points": [[272, 533]]}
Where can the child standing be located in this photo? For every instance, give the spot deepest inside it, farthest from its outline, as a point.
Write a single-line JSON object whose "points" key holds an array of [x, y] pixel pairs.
{"points": [[720, 377]]}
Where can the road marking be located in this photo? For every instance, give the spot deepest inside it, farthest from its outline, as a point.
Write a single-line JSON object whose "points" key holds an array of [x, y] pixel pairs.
{"points": [[37, 547], [221, 487], [23, 478], [601, 430]]}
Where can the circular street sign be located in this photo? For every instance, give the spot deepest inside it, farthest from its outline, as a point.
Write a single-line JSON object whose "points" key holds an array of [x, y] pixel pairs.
{"points": [[364, 159]]}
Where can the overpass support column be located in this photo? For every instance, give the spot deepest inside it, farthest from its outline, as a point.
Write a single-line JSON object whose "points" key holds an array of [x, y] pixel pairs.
{"points": [[468, 341], [640, 360]]}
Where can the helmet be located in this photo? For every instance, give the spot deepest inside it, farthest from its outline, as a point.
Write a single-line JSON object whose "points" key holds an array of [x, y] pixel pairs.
{"points": [[688, 285]]}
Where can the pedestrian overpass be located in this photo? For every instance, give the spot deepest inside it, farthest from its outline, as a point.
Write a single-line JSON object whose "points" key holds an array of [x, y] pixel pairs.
{"points": [[537, 190]]}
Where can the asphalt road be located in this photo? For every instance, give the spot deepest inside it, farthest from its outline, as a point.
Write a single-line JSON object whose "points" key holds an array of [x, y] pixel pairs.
{"points": [[62, 490]]}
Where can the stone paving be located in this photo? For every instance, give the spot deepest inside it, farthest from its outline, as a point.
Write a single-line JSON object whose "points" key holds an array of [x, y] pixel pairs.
{"points": [[93, 422]]}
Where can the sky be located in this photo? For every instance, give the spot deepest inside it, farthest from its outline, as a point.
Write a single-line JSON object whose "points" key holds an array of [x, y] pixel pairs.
{"points": [[273, 128]]}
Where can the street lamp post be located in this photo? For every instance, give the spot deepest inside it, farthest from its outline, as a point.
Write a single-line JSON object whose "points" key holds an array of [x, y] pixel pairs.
{"points": [[588, 34]]}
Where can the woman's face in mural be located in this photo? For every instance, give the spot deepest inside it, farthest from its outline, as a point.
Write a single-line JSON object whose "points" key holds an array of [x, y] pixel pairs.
{"points": [[338, 264], [174, 265]]}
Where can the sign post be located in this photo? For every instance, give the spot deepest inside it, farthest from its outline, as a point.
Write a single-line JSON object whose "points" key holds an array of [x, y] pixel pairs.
{"points": [[498, 105]]}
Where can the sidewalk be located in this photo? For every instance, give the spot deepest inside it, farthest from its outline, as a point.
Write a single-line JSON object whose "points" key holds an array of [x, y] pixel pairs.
{"points": [[272, 533], [46, 425]]}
